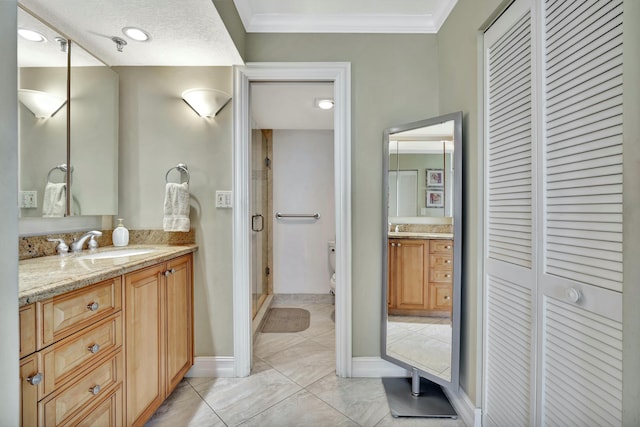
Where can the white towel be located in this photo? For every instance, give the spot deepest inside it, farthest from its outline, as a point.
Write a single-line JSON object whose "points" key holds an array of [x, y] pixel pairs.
{"points": [[55, 200], [176, 207]]}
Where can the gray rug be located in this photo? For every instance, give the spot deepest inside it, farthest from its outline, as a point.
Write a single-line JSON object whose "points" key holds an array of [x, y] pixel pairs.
{"points": [[286, 320]]}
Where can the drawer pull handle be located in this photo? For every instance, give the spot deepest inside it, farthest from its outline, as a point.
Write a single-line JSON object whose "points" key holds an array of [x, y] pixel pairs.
{"points": [[399, 244], [447, 261], [447, 297], [447, 275], [94, 348], [168, 272], [93, 306], [447, 247], [35, 379], [95, 389]]}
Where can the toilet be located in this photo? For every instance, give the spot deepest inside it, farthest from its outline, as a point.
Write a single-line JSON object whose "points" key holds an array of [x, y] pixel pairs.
{"points": [[332, 264]]}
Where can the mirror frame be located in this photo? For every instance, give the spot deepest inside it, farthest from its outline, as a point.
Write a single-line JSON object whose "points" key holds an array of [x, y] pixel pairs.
{"points": [[453, 383]]}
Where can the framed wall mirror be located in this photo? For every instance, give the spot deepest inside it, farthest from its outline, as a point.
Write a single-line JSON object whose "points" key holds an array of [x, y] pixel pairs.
{"points": [[68, 153], [422, 248]]}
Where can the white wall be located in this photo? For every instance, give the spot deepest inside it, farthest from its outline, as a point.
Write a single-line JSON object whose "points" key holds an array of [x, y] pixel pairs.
{"points": [[302, 183], [9, 392]]}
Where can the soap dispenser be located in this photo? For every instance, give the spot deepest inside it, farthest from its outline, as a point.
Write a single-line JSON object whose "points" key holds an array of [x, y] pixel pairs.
{"points": [[120, 235]]}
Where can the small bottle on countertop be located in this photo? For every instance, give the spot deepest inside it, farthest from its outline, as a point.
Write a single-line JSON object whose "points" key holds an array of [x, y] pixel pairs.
{"points": [[120, 235]]}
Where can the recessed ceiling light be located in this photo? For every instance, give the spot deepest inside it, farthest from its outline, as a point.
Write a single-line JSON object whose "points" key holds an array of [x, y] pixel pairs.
{"points": [[325, 104], [32, 36], [136, 34]]}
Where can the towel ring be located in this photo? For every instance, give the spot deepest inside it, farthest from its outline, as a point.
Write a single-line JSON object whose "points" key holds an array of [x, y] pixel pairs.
{"points": [[180, 167], [61, 167]]}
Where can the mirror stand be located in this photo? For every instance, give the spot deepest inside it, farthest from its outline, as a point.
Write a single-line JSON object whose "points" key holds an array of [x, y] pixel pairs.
{"points": [[417, 397]]}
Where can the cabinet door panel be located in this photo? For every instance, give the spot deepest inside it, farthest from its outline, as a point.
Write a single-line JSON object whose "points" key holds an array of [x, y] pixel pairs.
{"points": [[179, 321], [144, 342], [412, 274], [28, 329], [29, 367]]}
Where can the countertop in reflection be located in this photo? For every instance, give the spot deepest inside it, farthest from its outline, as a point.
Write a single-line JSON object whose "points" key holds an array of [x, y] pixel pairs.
{"points": [[418, 235]]}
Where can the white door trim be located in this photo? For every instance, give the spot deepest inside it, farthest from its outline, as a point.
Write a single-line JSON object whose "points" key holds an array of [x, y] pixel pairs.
{"points": [[339, 73]]}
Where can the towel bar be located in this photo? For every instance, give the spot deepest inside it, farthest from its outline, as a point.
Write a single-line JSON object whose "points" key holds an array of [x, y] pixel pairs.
{"points": [[281, 215], [61, 167], [180, 167]]}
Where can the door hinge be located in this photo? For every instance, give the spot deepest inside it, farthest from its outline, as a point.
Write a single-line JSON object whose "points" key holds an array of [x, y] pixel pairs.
{"points": [[267, 271], [267, 162]]}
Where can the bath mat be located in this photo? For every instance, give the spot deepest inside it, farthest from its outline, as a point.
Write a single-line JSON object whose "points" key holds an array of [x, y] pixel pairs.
{"points": [[286, 320]]}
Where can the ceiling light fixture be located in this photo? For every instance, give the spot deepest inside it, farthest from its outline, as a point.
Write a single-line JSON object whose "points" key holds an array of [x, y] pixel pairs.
{"points": [[137, 34], [42, 104], [32, 36], [206, 102], [325, 104]]}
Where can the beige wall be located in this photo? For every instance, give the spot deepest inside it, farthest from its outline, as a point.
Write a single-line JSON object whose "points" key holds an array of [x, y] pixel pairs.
{"points": [[9, 392], [458, 66], [394, 80], [157, 131]]}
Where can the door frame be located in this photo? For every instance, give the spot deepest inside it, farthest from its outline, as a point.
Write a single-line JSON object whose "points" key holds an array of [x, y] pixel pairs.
{"points": [[338, 73]]}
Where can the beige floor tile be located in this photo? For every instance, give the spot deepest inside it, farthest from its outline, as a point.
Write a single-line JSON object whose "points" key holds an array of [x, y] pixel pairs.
{"points": [[304, 363], [267, 344], [361, 399], [301, 410], [389, 421]]}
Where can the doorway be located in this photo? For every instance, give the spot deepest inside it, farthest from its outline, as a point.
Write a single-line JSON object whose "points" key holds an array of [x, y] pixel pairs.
{"points": [[339, 75]]}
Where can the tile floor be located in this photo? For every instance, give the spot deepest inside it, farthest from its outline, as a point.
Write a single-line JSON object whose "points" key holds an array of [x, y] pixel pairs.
{"points": [[293, 383]]}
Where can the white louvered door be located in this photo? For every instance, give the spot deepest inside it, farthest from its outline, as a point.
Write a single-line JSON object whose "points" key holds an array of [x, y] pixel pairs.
{"points": [[509, 185], [553, 215], [580, 282]]}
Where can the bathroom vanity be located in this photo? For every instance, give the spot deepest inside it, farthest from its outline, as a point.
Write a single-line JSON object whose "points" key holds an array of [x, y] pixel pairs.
{"points": [[104, 337], [420, 274]]}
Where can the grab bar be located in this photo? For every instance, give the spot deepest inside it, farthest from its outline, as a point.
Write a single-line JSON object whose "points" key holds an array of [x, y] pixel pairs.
{"points": [[281, 215]]}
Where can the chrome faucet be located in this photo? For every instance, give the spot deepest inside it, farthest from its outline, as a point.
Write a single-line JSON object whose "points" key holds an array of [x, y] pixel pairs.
{"points": [[76, 245]]}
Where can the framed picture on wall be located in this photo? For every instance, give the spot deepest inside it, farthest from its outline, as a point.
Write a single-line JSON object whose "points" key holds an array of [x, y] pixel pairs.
{"points": [[435, 199], [435, 178]]}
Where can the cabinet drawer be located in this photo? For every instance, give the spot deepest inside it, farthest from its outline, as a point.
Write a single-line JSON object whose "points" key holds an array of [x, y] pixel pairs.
{"points": [[441, 261], [108, 413], [441, 246], [65, 359], [30, 390], [70, 401], [68, 313], [440, 296], [441, 276], [28, 329]]}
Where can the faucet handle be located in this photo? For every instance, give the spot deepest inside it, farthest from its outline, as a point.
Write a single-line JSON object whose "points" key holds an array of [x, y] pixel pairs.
{"points": [[93, 243], [62, 247]]}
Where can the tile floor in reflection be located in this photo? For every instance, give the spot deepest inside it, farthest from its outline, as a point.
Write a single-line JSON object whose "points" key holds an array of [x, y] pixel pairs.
{"points": [[293, 383]]}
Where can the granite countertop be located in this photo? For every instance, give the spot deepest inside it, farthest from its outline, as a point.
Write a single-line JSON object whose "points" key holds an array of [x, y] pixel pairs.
{"points": [[418, 235], [48, 276]]}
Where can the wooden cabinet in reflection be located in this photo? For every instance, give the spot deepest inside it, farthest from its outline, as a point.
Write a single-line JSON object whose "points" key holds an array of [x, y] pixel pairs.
{"points": [[420, 277]]}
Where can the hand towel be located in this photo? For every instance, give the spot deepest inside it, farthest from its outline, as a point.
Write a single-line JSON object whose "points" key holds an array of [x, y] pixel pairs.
{"points": [[55, 200], [176, 207]]}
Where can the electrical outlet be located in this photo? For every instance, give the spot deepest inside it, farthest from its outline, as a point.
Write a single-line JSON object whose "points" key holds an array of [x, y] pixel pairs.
{"points": [[223, 199], [28, 199]]}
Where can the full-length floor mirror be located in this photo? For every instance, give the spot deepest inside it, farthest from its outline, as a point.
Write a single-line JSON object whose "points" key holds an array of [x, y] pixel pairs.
{"points": [[422, 250]]}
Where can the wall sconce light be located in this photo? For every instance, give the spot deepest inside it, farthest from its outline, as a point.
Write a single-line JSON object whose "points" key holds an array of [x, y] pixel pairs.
{"points": [[206, 102], [42, 104]]}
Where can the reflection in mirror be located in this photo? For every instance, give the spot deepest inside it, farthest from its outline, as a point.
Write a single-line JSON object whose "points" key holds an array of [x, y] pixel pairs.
{"points": [[42, 67], [94, 135], [421, 259]]}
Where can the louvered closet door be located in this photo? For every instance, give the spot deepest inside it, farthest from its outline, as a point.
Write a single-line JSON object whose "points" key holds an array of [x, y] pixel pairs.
{"points": [[580, 284], [509, 220]]}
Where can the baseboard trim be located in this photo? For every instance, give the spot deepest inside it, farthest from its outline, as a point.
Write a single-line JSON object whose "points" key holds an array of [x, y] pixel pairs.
{"points": [[213, 367], [376, 367]]}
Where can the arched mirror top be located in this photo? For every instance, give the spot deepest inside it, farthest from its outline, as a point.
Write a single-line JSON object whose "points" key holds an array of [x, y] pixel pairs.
{"points": [[422, 247]]}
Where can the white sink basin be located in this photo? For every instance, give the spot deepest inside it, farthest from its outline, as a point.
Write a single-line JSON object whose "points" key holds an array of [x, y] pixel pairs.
{"points": [[116, 253]]}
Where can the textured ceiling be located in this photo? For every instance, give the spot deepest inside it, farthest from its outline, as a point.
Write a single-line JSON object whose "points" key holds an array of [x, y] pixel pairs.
{"points": [[183, 33]]}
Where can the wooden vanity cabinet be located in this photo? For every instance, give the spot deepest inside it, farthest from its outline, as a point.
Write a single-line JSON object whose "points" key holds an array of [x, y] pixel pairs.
{"points": [[159, 334], [420, 276], [107, 354]]}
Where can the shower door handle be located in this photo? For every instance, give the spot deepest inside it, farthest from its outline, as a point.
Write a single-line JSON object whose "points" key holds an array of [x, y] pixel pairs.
{"points": [[254, 227]]}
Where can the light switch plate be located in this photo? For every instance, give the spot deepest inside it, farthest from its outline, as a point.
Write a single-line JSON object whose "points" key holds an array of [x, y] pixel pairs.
{"points": [[28, 199], [223, 199]]}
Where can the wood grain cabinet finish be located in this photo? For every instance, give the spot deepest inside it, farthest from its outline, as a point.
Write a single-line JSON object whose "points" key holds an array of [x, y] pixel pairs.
{"points": [[420, 276], [73, 367], [159, 334]]}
